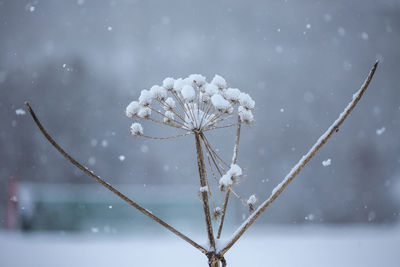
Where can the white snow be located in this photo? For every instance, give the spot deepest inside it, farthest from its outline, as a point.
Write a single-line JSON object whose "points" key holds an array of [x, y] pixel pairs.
{"points": [[197, 79], [287, 246], [380, 131], [203, 189], [145, 97], [136, 129], [235, 171], [169, 115], [20, 111], [245, 115], [219, 81], [121, 157], [326, 163], [178, 84], [144, 112], [170, 103], [211, 89], [252, 200], [246, 101], [158, 92], [232, 94], [132, 109], [104, 143], [168, 83], [220, 103], [188, 93], [226, 180]]}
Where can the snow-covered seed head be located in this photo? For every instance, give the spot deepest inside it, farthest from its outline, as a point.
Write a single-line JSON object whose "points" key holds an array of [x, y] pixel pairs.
{"points": [[158, 92], [144, 112], [225, 182], [145, 97], [132, 109], [220, 103], [169, 116], [232, 94], [235, 172], [197, 79], [188, 93], [251, 202], [178, 84], [136, 129], [246, 101], [211, 89], [192, 104], [230, 177], [168, 83], [169, 104], [219, 81], [245, 115]]}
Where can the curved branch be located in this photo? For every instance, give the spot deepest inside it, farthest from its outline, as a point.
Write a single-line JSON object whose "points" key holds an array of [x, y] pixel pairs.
{"points": [[110, 187], [302, 162]]}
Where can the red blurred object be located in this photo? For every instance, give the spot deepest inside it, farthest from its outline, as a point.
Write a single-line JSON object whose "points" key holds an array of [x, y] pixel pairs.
{"points": [[12, 204]]}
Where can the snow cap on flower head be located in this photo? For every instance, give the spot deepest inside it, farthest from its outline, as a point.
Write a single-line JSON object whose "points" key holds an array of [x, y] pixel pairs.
{"points": [[168, 83], [136, 129], [132, 109], [219, 81]]}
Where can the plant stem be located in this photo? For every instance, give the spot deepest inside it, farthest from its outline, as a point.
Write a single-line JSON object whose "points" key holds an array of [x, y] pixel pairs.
{"points": [[204, 195], [228, 190]]}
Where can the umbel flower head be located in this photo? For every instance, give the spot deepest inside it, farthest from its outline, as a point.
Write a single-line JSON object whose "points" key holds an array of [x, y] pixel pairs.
{"points": [[192, 104]]}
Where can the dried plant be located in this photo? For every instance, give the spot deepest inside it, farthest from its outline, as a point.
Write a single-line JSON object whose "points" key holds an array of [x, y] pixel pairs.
{"points": [[195, 106]]}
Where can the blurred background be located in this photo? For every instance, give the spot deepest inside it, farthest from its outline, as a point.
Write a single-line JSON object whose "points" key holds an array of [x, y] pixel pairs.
{"points": [[80, 63]]}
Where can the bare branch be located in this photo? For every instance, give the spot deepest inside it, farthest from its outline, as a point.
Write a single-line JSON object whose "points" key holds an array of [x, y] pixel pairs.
{"points": [[109, 187], [299, 166]]}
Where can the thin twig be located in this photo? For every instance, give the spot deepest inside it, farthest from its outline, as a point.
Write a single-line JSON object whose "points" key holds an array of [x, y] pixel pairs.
{"points": [[168, 137], [228, 190], [302, 162], [110, 187]]}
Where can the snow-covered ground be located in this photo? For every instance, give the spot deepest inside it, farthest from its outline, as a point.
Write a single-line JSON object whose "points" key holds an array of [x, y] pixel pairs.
{"points": [[273, 246]]}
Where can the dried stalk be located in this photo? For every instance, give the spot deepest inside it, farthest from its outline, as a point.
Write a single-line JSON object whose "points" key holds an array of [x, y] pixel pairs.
{"points": [[110, 187], [204, 195], [228, 190], [299, 166]]}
